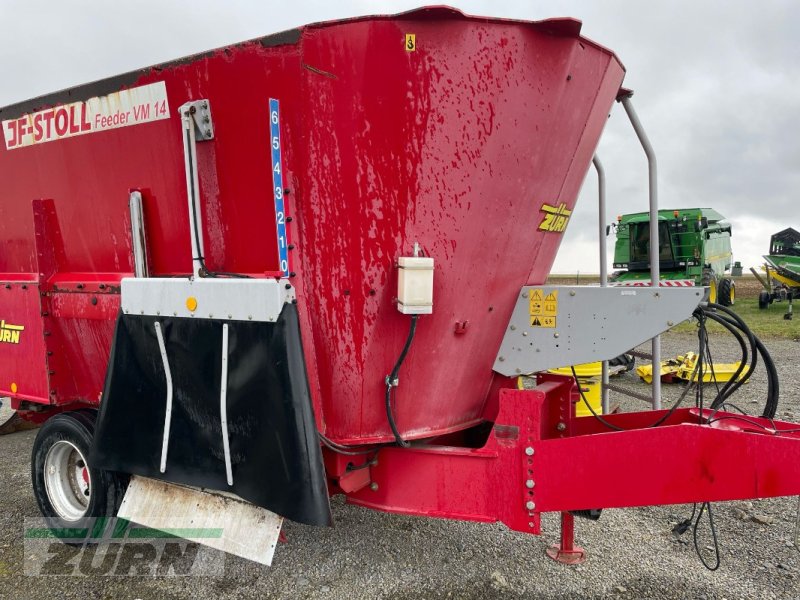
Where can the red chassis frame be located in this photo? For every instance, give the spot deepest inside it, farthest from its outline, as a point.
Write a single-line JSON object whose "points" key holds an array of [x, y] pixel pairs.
{"points": [[540, 458]]}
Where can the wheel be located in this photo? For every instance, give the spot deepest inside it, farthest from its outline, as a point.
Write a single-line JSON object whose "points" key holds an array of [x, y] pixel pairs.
{"points": [[710, 281], [68, 491], [625, 360], [727, 292], [763, 300], [7, 416]]}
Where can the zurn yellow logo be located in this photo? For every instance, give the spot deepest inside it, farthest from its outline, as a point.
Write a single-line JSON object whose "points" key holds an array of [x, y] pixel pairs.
{"points": [[555, 218], [9, 334]]}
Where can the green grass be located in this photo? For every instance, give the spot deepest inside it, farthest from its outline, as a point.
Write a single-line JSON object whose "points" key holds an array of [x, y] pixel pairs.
{"points": [[767, 323]]}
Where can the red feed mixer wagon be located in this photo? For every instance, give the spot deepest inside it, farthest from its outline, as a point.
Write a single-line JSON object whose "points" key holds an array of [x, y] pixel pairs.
{"points": [[314, 263]]}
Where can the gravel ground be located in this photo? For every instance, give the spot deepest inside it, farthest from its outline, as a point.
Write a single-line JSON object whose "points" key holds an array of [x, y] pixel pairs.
{"points": [[632, 552]]}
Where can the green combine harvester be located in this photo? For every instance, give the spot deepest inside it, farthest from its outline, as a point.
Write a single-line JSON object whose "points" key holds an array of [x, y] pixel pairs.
{"points": [[782, 266], [694, 249]]}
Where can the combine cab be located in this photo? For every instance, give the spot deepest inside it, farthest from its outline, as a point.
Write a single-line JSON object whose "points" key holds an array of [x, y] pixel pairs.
{"points": [[314, 264], [694, 250]]}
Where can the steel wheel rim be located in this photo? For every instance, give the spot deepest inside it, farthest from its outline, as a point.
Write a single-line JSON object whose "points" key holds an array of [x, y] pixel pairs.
{"points": [[712, 294], [67, 480]]}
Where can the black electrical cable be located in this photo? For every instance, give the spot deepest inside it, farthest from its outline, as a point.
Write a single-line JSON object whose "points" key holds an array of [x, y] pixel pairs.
{"points": [[658, 421], [391, 380], [193, 194], [590, 407], [702, 336], [742, 417], [694, 523], [706, 506], [731, 322], [725, 405], [773, 384], [711, 365], [370, 463], [347, 450]]}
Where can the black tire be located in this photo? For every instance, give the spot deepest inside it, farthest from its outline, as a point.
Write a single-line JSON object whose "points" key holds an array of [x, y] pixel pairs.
{"points": [[763, 300], [726, 293], [709, 280], [625, 360], [71, 434]]}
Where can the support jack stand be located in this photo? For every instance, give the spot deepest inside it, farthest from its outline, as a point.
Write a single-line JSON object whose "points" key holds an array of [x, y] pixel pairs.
{"points": [[567, 553]]}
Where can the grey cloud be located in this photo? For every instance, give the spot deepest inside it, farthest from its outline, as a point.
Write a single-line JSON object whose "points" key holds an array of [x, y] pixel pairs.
{"points": [[716, 86]]}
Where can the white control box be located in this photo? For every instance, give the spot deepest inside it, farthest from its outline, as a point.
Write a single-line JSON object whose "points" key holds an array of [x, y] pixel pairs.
{"points": [[415, 285]]}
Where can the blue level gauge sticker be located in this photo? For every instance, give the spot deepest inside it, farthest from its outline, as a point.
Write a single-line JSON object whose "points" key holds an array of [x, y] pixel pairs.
{"points": [[277, 183]]}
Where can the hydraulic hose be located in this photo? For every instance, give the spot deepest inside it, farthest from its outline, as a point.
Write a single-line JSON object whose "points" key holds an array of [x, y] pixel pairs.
{"points": [[724, 392], [754, 354], [773, 384]]}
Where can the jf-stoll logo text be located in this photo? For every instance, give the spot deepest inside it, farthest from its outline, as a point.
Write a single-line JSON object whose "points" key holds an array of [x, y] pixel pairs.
{"points": [[128, 107]]}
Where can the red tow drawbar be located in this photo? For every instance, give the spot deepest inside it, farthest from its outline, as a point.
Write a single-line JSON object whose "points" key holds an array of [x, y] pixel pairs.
{"points": [[567, 553]]}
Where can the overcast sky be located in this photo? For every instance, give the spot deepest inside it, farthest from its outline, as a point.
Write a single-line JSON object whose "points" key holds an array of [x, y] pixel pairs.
{"points": [[717, 88]]}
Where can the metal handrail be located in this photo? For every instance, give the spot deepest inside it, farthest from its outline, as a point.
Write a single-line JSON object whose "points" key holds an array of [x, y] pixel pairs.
{"points": [[601, 188], [655, 274]]}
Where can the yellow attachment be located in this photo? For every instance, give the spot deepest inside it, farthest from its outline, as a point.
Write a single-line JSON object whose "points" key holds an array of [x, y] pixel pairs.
{"points": [[682, 368], [592, 369], [645, 372], [191, 303], [784, 280], [590, 386], [589, 380]]}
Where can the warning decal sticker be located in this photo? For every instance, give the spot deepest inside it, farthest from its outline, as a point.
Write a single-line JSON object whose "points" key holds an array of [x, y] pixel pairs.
{"points": [[134, 106], [543, 308]]}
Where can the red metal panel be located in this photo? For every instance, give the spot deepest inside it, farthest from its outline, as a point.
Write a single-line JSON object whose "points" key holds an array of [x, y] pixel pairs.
{"points": [[81, 329], [694, 463], [482, 484], [22, 358], [456, 145], [578, 464]]}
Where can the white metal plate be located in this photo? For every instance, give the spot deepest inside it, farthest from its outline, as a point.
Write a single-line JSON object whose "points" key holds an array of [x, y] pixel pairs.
{"points": [[221, 521], [557, 326], [217, 298]]}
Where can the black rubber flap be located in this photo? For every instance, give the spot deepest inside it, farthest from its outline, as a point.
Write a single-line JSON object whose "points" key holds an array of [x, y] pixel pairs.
{"points": [[275, 453]]}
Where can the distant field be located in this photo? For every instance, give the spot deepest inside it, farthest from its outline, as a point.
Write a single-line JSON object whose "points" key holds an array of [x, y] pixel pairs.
{"points": [[764, 323]]}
